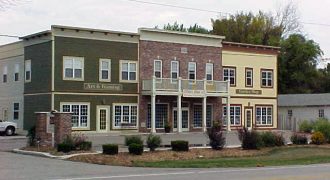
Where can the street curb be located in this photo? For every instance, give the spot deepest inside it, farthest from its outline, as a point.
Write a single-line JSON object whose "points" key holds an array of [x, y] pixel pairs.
{"points": [[48, 155]]}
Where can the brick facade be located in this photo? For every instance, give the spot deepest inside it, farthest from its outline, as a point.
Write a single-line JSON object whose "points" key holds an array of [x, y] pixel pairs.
{"points": [[167, 52]]}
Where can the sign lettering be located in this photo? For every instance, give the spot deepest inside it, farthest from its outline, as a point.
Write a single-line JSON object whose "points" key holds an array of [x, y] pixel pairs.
{"points": [[102, 86]]}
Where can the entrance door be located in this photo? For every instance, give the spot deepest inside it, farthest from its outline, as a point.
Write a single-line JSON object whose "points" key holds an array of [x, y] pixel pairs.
{"points": [[248, 118], [185, 119], [102, 118]]}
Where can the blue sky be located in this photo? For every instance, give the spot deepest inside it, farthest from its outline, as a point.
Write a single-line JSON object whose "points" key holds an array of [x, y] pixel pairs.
{"points": [[29, 16]]}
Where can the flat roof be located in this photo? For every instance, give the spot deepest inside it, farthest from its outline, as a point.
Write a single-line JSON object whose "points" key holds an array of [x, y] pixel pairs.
{"points": [[181, 33], [246, 45], [94, 30]]}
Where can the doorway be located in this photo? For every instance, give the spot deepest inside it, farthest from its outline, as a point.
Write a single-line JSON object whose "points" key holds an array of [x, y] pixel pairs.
{"points": [[185, 119]]}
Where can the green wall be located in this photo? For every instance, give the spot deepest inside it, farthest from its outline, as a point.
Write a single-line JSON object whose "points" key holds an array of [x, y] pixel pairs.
{"points": [[32, 104]]}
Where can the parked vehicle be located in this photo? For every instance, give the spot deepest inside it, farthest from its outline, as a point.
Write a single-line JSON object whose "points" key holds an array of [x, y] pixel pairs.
{"points": [[7, 127]]}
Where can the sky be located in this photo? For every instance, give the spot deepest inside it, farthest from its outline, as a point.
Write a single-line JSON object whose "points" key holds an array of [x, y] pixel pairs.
{"points": [[23, 17]]}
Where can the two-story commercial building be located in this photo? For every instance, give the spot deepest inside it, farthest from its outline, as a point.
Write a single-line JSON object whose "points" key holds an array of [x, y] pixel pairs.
{"points": [[252, 72]]}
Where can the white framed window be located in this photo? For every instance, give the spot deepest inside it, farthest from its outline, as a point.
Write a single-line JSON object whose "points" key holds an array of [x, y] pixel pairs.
{"points": [[266, 78], [229, 73], [128, 71], [125, 115], [321, 113], [16, 111], [5, 74], [209, 71], [105, 70], [192, 71], [264, 115], [16, 73], [161, 115], [235, 115], [198, 115], [249, 77], [174, 71], [73, 68], [290, 113], [80, 113], [27, 69], [158, 69]]}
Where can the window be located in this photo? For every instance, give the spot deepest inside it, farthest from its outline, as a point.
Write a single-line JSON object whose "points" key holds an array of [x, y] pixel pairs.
{"points": [[235, 115], [266, 78], [73, 68], [290, 113], [80, 116], [230, 75], [16, 111], [321, 113], [16, 74], [125, 115], [158, 68], [105, 70], [264, 115], [174, 70], [28, 71], [249, 77], [198, 116], [4, 74], [192, 70], [160, 116], [128, 71], [209, 71]]}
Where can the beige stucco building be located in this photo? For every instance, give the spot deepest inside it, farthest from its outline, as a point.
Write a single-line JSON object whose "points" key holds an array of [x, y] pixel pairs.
{"points": [[252, 72]]}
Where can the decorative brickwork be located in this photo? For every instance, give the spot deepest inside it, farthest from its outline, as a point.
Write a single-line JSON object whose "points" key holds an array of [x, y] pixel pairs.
{"points": [[63, 126], [44, 138]]}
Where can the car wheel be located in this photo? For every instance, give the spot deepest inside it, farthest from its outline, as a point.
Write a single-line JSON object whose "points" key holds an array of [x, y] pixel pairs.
{"points": [[10, 131]]}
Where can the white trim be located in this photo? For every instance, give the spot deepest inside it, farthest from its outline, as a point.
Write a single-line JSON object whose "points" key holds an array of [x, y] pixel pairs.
{"points": [[125, 104], [96, 94], [266, 78], [88, 113], [27, 68], [234, 115], [168, 112], [136, 71], [261, 115], [5, 73], [101, 69], [212, 72], [73, 58], [14, 111], [229, 76], [160, 70], [177, 71], [182, 109], [195, 72], [98, 108]]}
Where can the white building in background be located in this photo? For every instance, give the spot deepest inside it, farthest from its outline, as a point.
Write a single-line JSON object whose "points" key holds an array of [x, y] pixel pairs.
{"points": [[294, 108], [12, 83]]}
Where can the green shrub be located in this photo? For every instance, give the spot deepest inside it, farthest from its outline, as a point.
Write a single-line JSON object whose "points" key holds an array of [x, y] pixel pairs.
{"points": [[153, 142], [279, 140], [84, 146], [323, 125], [298, 139], [80, 142], [250, 139], [268, 139], [111, 149], [216, 137], [180, 145], [318, 138], [136, 149], [63, 147], [306, 126], [133, 139], [32, 136]]}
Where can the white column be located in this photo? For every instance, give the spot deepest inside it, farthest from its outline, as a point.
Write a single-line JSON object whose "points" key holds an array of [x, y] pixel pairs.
{"points": [[179, 109], [228, 113], [153, 105], [204, 114]]}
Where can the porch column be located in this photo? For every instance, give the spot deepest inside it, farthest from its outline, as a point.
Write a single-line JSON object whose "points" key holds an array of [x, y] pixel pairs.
{"points": [[179, 109], [153, 113], [204, 114], [228, 113]]}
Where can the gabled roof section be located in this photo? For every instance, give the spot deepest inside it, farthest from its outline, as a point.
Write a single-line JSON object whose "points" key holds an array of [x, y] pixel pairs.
{"points": [[296, 100]]}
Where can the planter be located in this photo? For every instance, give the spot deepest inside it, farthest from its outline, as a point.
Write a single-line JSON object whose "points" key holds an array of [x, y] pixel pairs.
{"points": [[167, 129]]}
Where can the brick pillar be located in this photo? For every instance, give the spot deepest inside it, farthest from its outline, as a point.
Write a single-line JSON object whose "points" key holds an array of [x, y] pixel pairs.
{"points": [[62, 126], [41, 129]]}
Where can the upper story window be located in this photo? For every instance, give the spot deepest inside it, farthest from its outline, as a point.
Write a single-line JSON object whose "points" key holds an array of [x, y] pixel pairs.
{"points": [[27, 71], [209, 71], [249, 77], [229, 73], [128, 71], [321, 113], [266, 78], [105, 70], [16, 74], [174, 70], [5, 74], [192, 70], [73, 68], [158, 68]]}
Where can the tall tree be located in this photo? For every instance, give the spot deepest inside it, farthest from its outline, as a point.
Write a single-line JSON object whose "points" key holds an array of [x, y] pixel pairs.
{"points": [[180, 27]]}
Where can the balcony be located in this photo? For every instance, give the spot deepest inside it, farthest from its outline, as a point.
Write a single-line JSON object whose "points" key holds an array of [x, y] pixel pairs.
{"points": [[186, 87]]}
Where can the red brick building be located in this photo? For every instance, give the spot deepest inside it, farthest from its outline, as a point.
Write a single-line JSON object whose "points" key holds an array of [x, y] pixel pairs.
{"points": [[180, 80]]}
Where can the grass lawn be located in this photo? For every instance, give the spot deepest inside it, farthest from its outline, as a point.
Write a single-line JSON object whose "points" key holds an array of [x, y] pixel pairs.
{"points": [[275, 157]]}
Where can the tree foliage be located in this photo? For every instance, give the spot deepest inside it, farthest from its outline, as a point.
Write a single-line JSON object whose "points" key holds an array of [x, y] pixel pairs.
{"points": [[180, 27]]}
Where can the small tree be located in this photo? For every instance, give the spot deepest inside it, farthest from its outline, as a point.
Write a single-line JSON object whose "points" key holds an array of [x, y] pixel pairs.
{"points": [[216, 137], [153, 142]]}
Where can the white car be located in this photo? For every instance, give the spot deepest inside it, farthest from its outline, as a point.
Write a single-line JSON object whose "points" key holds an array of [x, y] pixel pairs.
{"points": [[8, 127]]}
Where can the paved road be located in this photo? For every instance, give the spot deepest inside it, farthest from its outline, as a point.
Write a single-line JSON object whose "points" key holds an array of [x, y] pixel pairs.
{"points": [[16, 166], [8, 143]]}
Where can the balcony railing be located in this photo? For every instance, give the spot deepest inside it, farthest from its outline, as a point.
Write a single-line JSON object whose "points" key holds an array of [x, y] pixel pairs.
{"points": [[184, 85]]}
